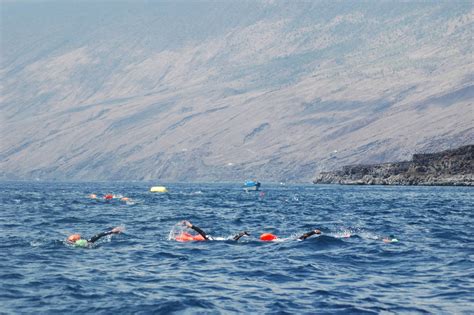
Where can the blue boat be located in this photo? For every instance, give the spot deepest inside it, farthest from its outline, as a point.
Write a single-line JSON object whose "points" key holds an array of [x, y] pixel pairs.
{"points": [[251, 185]]}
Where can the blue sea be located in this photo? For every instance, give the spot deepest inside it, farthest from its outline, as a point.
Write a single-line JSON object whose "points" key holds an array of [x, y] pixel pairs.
{"points": [[348, 269]]}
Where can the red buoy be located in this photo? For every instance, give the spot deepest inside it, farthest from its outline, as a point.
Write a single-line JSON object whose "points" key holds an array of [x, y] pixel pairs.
{"points": [[268, 237]]}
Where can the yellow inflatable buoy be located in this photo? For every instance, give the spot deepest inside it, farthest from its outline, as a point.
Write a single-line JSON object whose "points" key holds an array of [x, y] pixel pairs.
{"points": [[160, 189]]}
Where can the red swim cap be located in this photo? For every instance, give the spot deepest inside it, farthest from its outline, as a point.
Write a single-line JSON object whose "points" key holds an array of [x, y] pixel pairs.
{"points": [[74, 237], [268, 237], [109, 196]]}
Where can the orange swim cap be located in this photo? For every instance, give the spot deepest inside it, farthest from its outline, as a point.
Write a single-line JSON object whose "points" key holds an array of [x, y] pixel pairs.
{"points": [[74, 237], [268, 237]]}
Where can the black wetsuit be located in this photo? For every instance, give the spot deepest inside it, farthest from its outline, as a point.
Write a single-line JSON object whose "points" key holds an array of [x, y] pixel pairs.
{"points": [[207, 238], [201, 232], [98, 236], [306, 235], [238, 236]]}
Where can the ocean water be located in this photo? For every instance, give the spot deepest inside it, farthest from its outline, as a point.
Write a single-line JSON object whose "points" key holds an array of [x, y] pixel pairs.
{"points": [[347, 269]]}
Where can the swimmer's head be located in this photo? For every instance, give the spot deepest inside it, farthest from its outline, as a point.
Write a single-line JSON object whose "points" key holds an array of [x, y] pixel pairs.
{"points": [[390, 239], [73, 238], [268, 237]]}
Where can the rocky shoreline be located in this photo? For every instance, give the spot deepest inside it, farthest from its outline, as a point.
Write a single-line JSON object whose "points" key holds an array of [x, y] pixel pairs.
{"points": [[446, 168]]}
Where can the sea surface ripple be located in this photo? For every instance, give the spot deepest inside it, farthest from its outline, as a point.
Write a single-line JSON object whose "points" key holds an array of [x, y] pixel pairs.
{"points": [[347, 269]]}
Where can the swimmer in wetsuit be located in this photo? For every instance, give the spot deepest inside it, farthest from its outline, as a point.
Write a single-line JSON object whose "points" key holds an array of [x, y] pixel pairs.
{"points": [[205, 237], [77, 240], [268, 237], [309, 234], [390, 239]]}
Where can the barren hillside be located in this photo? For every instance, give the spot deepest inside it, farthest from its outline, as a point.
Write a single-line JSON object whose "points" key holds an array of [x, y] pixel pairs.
{"points": [[228, 90]]}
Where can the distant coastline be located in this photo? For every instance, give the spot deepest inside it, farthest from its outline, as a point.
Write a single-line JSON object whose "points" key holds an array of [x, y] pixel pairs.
{"points": [[445, 168]]}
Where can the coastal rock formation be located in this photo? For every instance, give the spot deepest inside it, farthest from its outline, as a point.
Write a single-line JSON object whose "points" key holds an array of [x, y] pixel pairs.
{"points": [[450, 167]]}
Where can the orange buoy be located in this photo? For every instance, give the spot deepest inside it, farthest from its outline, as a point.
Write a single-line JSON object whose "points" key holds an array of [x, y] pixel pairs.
{"points": [[268, 237], [198, 238], [186, 237]]}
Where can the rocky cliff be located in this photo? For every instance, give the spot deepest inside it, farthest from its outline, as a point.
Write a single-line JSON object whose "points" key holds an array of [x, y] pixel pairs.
{"points": [[450, 167]]}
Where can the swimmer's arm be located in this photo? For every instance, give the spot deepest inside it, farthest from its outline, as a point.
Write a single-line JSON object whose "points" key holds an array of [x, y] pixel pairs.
{"points": [[197, 229], [238, 236], [203, 234], [96, 237], [311, 233]]}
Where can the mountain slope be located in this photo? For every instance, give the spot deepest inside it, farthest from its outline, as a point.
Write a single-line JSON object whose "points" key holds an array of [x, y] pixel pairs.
{"points": [[229, 90]]}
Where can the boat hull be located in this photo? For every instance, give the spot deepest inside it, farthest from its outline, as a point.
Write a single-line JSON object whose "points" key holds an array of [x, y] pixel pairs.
{"points": [[251, 186]]}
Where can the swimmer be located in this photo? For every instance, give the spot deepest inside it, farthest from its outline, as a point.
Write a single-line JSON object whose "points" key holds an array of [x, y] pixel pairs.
{"points": [[268, 237], [93, 196], [76, 240], [390, 239], [309, 234], [202, 235], [109, 197]]}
